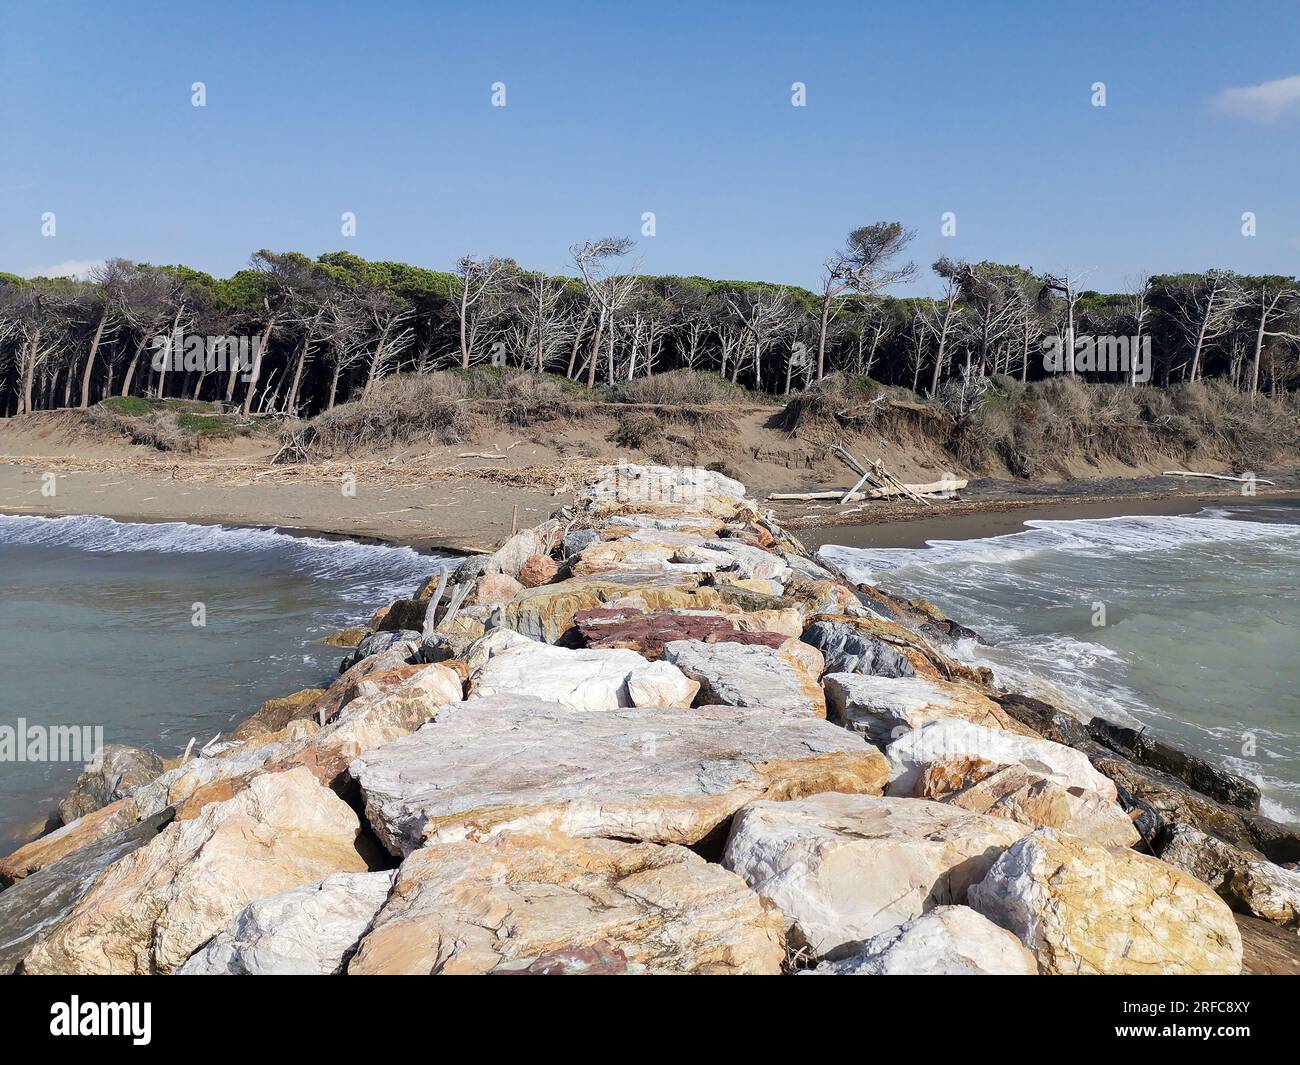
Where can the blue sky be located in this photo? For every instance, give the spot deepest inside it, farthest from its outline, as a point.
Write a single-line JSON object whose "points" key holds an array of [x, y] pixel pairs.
{"points": [[683, 109]]}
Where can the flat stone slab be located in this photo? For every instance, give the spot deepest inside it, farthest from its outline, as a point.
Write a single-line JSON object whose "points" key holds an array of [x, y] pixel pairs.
{"points": [[669, 775]]}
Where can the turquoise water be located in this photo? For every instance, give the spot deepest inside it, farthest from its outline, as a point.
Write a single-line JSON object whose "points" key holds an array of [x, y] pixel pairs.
{"points": [[96, 629], [1198, 638]]}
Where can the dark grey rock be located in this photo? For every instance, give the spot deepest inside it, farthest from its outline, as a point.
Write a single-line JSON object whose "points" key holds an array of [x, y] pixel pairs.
{"points": [[119, 771], [848, 649], [378, 643], [34, 905], [1140, 746]]}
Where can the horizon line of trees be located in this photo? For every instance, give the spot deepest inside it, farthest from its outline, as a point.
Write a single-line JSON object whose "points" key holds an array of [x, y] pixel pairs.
{"points": [[330, 329]]}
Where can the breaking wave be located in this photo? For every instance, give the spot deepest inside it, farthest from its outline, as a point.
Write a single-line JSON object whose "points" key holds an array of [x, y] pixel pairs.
{"points": [[366, 572]]}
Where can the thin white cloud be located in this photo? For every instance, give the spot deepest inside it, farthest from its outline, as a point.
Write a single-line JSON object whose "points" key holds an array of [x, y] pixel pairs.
{"points": [[78, 268], [1265, 102]]}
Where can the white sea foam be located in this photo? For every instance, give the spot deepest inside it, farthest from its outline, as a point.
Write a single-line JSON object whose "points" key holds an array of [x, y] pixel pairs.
{"points": [[1122, 535], [368, 571]]}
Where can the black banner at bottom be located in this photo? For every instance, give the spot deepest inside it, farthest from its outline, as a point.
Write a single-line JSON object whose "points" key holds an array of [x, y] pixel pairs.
{"points": [[142, 1015]]}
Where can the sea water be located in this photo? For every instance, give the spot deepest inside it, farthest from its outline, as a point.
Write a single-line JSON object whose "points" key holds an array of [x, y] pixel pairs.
{"points": [[162, 632], [1187, 625]]}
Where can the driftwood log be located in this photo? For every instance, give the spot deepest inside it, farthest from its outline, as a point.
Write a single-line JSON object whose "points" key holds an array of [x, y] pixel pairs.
{"points": [[873, 493], [1215, 476]]}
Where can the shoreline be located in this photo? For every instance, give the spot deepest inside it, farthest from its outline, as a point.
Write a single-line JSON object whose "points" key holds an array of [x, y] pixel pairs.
{"points": [[470, 515], [985, 523]]}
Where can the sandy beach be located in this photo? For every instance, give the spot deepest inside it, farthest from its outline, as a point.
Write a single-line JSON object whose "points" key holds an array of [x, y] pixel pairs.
{"points": [[475, 506]]}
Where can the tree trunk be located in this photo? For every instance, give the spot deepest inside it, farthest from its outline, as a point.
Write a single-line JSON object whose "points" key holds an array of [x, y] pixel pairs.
{"points": [[90, 359], [291, 403], [595, 350], [29, 373], [334, 386], [129, 379], [255, 372], [822, 327], [464, 314]]}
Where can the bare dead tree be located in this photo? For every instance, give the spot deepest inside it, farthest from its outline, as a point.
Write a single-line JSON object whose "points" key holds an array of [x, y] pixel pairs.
{"points": [[592, 259], [1068, 288], [1139, 310], [765, 315], [475, 278], [863, 266], [939, 320], [1205, 308], [1277, 304]]}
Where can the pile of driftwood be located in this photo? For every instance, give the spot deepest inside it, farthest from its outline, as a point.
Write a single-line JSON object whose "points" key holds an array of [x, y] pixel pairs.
{"points": [[883, 484]]}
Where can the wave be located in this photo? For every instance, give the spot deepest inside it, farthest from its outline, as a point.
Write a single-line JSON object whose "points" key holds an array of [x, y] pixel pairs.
{"points": [[1120, 535], [366, 569]]}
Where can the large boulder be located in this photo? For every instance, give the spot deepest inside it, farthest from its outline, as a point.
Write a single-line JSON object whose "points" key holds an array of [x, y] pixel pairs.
{"points": [[883, 708], [952, 738], [547, 612], [1015, 792], [945, 941], [538, 570], [736, 674], [663, 491], [1247, 884], [1138, 745], [275, 714], [117, 772], [582, 679], [1086, 909], [363, 723], [493, 588], [58, 844], [405, 642], [662, 775], [305, 931], [36, 905], [843, 868], [152, 909], [1174, 802], [504, 904], [848, 649], [1266, 949]]}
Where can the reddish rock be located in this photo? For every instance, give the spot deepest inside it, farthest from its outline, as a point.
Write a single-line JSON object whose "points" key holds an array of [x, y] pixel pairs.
{"points": [[538, 570], [493, 588], [647, 633]]}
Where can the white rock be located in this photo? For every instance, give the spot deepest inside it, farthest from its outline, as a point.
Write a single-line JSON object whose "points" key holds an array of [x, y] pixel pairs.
{"points": [[946, 941], [496, 642], [942, 740], [306, 931], [843, 868], [584, 679]]}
